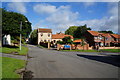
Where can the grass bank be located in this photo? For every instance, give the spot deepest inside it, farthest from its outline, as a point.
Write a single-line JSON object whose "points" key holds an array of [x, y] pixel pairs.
{"points": [[10, 50], [81, 50], [10, 65], [111, 50]]}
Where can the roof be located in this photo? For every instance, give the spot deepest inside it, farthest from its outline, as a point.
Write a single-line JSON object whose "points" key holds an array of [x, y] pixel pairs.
{"points": [[94, 33], [60, 36], [106, 35], [78, 40], [115, 35], [44, 30]]}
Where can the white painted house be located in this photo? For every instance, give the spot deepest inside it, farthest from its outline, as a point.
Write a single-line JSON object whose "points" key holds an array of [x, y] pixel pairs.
{"points": [[44, 35]]}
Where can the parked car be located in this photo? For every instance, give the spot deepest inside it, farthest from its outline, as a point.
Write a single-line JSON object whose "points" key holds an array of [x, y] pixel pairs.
{"points": [[66, 47]]}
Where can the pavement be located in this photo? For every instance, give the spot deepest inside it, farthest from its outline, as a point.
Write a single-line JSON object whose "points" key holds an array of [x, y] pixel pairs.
{"points": [[13, 56], [44, 63]]}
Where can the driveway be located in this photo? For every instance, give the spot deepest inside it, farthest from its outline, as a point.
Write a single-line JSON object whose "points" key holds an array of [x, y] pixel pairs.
{"points": [[45, 63]]}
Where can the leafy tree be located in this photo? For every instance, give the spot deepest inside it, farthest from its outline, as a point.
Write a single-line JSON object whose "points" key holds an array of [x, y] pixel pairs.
{"points": [[70, 30], [106, 32], [11, 24], [67, 40], [79, 32], [34, 37]]}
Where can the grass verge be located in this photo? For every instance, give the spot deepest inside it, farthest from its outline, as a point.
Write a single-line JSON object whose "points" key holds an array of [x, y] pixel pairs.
{"points": [[111, 50], [10, 65], [9, 50], [81, 50]]}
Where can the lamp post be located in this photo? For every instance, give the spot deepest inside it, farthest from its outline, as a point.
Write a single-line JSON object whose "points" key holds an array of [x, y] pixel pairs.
{"points": [[20, 33]]}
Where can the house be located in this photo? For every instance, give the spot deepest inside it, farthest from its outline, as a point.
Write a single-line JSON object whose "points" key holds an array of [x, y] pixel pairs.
{"points": [[44, 35], [93, 38], [7, 40], [102, 39], [115, 39], [106, 39], [59, 36]]}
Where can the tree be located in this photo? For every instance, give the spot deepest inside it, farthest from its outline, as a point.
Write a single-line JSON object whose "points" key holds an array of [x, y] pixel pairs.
{"points": [[34, 37], [11, 24], [106, 32], [67, 40], [70, 30], [80, 31]]}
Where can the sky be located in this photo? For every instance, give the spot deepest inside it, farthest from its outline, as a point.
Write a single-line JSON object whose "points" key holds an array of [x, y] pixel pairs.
{"points": [[59, 16]]}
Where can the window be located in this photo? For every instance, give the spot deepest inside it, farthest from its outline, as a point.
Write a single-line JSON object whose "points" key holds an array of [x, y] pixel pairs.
{"points": [[41, 34], [106, 38], [48, 34], [95, 37]]}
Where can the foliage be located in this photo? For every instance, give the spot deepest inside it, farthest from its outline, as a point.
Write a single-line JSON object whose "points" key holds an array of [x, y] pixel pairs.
{"points": [[70, 30], [67, 40], [34, 37], [77, 31], [60, 42], [11, 24], [10, 65], [80, 31], [106, 32]]}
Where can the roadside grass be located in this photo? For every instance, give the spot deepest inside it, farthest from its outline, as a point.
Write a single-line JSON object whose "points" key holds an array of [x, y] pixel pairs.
{"points": [[10, 65], [0, 68], [111, 50], [9, 50], [81, 50]]}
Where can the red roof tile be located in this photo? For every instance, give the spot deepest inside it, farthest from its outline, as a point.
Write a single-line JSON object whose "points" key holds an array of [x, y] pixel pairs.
{"points": [[94, 33], [78, 40], [115, 35], [44, 30], [60, 36]]}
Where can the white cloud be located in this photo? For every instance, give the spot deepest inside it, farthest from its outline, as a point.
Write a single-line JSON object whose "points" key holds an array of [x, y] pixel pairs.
{"points": [[88, 4], [62, 17], [18, 6], [44, 8], [59, 18]]}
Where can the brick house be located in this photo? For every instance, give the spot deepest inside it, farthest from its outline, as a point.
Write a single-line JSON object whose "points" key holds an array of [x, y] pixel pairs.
{"points": [[115, 39], [92, 37], [102, 39], [44, 35], [59, 36]]}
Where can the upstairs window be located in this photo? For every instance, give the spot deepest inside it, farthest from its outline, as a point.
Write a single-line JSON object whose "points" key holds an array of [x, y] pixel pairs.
{"points": [[41, 34], [48, 34]]}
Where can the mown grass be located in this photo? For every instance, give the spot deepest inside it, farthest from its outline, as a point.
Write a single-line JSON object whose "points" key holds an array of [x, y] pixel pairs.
{"points": [[24, 50], [10, 65], [81, 50], [111, 50]]}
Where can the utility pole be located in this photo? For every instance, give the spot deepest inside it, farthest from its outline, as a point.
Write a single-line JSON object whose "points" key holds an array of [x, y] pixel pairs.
{"points": [[20, 34]]}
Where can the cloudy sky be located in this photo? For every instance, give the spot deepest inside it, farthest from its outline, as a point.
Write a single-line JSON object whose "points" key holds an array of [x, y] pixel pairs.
{"points": [[58, 16]]}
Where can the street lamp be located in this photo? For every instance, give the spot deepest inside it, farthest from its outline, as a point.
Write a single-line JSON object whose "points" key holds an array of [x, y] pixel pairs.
{"points": [[20, 32]]}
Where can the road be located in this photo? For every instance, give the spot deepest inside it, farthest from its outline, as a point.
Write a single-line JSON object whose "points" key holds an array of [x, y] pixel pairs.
{"points": [[45, 63]]}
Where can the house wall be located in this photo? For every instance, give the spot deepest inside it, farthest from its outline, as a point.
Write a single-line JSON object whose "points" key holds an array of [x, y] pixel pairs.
{"points": [[7, 40], [44, 37], [89, 39]]}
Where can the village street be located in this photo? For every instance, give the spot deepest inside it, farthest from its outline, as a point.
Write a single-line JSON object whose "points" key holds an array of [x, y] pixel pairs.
{"points": [[45, 63]]}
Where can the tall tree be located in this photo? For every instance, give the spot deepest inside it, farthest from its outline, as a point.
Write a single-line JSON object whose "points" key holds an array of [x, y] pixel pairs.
{"points": [[34, 37], [11, 24], [70, 30], [79, 32], [106, 32]]}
